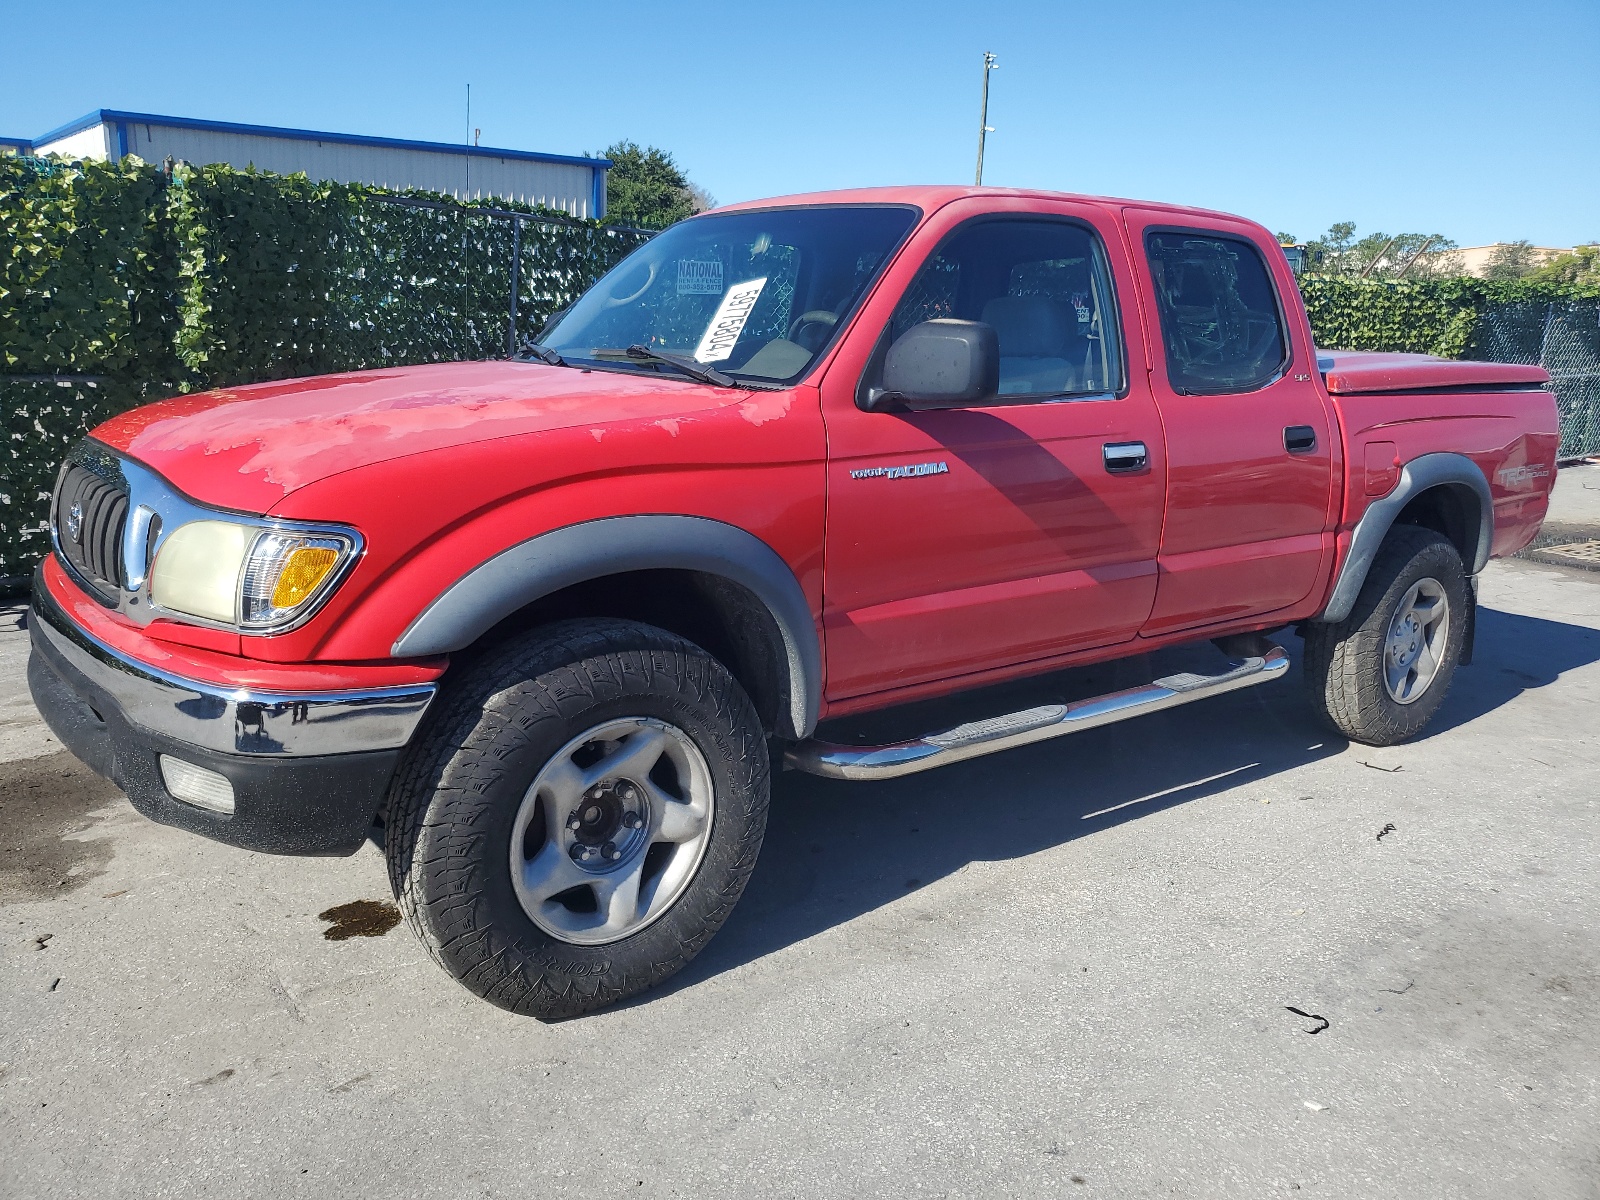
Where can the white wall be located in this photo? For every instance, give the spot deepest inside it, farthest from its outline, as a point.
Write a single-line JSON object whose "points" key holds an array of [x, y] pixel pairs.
{"points": [[97, 141], [562, 186], [555, 185]]}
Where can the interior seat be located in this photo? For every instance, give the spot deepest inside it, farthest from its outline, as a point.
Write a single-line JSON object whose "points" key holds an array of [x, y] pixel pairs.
{"points": [[1041, 350]]}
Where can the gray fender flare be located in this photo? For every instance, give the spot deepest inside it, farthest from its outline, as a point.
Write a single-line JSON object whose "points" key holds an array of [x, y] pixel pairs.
{"points": [[1416, 477], [515, 577]]}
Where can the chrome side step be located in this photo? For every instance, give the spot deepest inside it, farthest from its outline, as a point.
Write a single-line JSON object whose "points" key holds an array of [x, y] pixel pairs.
{"points": [[1264, 661]]}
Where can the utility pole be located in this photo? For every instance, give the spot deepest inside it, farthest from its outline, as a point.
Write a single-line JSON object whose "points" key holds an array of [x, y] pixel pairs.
{"points": [[1412, 261], [984, 130], [1373, 264]]}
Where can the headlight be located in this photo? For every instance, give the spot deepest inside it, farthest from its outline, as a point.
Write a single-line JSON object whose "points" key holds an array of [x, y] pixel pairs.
{"points": [[251, 577], [197, 569]]}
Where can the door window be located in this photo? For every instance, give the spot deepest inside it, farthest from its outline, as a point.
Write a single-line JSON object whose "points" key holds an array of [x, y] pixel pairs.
{"points": [[1045, 288], [1220, 318]]}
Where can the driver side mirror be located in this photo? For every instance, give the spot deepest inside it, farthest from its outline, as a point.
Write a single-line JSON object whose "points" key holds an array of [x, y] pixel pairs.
{"points": [[940, 364]]}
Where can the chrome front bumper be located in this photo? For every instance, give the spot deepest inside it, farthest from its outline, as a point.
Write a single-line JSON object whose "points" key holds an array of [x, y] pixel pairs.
{"points": [[308, 772], [233, 720]]}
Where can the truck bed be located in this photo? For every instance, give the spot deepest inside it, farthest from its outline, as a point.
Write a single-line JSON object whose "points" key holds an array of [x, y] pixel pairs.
{"points": [[1346, 372]]}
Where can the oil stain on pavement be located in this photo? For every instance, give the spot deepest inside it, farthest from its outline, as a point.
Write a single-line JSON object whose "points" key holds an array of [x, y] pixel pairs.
{"points": [[43, 801], [359, 918]]}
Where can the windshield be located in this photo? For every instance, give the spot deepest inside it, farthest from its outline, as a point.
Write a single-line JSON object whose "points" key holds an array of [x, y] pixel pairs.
{"points": [[756, 295]]}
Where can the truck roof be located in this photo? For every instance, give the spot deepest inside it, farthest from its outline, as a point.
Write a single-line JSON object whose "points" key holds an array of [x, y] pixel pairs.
{"points": [[929, 197]]}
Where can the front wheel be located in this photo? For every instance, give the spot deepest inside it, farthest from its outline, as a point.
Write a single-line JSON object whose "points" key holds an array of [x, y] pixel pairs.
{"points": [[579, 817], [1379, 675]]}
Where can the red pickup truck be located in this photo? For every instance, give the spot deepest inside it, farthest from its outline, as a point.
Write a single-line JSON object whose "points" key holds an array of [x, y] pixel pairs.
{"points": [[548, 623]]}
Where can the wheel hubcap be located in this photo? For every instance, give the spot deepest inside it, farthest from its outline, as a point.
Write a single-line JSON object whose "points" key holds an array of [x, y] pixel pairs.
{"points": [[607, 825], [1415, 647], [612, 830]]}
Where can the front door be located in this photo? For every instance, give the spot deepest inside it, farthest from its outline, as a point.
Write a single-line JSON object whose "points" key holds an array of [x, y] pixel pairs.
{"points": [[980, 537], [1251, 443]]}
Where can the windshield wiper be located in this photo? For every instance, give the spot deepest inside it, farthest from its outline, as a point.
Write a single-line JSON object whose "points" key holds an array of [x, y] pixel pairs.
{"points": [[682, 362], [544, 354]]}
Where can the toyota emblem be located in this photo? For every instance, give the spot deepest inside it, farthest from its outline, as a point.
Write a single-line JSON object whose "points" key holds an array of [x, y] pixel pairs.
{"points": [[75, 521]]}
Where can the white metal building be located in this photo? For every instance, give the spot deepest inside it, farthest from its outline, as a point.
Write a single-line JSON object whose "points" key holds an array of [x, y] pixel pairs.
{"points": [[573, 185]]}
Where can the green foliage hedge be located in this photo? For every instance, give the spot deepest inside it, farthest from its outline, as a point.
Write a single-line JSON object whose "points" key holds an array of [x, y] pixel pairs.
{"points": [[1447, 317], [1551, 322], [132, 285], [285, 277], [88, 270], [88, 277]]}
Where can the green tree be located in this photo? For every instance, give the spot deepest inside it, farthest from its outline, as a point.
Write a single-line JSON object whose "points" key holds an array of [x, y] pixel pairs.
{"points": [[1511, 260], [1382, 255], [1329, 250], [1581, 267], [646, 187]]}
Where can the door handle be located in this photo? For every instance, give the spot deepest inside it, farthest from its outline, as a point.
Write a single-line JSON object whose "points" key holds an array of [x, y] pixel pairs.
{"points": [[1299, 439], [1123, 458]]}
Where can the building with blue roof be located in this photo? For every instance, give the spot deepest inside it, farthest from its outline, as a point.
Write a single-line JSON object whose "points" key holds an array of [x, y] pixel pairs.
{"points": [[570, 184]]}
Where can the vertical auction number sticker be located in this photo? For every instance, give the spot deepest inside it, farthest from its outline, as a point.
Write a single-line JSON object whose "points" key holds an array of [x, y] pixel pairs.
{"points": [[729, 321]]}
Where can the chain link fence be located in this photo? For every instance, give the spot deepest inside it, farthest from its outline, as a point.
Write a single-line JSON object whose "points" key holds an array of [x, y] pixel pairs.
{"points": [[1562, 336]]}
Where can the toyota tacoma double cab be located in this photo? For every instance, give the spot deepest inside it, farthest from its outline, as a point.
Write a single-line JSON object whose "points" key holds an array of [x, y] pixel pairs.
{"points": [[544, 626]]}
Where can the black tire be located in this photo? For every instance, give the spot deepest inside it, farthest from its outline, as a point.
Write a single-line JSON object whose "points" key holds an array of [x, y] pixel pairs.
{"points": [[454, 799], [1345, 662]]}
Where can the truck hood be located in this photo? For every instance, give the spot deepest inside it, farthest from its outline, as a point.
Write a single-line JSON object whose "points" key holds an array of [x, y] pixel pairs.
{"points": [[247, 448], [1347, 372]]}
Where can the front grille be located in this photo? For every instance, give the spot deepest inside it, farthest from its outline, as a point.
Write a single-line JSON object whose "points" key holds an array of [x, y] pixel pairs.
{"points": [[89, 514]]}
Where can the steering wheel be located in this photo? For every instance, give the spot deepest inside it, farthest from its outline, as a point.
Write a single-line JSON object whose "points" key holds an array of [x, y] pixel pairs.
{"points": [[821, 318], [616, 301]]}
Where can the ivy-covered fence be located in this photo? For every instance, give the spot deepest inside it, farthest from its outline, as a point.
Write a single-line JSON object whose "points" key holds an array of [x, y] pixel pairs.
{"points": [[1555, 325], [1447, 317], [283, 277], [120, 284]]}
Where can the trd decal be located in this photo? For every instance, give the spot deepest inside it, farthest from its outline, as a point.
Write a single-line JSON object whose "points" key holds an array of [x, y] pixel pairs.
{"points": [[1517, 476]]}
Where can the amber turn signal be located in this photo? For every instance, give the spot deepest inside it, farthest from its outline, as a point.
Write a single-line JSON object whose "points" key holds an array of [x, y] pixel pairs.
{"points": [[305, 569]]}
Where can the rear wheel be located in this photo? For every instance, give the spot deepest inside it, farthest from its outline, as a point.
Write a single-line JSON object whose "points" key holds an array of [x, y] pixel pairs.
{"points": [[1379, 675], [579, 816]]}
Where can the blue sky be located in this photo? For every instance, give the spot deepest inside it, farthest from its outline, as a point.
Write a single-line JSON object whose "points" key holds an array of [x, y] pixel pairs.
{"points": [[1479, 121]]}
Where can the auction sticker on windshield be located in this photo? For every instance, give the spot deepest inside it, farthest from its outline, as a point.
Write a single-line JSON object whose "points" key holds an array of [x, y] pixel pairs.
{"points": [[699, 278], [728, 324]]}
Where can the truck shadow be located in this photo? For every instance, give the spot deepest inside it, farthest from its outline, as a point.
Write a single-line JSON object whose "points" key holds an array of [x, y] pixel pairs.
{"points": [[1514, 653], [835, 851]]}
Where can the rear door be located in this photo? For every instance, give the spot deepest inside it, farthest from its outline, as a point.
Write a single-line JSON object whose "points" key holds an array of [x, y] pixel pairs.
{"points": [[975, 538], [1251, 442]]}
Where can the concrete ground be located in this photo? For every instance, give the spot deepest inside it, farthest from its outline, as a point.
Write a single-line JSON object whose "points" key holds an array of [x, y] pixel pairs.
{"points": [[1066, 970], [1574, 506], [1576, 498]]}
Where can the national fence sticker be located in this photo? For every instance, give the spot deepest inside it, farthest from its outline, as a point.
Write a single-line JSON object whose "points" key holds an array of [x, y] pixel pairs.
{"points": [[728, 324], [699, 278]]}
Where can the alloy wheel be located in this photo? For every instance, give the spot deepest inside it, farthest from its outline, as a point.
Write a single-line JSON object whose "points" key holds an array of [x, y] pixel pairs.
{"points": [[612, 830]]}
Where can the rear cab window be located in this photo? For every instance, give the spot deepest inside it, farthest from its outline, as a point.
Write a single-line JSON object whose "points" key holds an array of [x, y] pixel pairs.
{"points": [[1221, 322]]}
